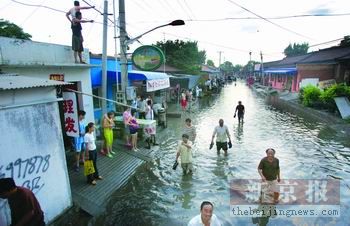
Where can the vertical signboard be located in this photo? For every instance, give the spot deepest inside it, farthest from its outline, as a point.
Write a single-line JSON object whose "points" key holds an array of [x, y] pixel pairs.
{"points": [[70, 111]]}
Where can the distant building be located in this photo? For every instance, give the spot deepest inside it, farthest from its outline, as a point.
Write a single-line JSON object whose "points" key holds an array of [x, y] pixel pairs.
{"points": [[292, 73]]}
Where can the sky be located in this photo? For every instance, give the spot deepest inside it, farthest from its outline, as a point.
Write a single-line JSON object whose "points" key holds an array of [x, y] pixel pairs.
{"points": [[208, 22]]}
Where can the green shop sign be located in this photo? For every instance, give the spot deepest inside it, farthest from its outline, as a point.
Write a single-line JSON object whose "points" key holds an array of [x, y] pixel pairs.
{"points": [[148, 58]]}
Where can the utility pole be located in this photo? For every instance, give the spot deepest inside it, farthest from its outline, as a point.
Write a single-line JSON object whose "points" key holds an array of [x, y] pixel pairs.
{"points": [[262, 67], [123, 49], [115, 47], [104, 58], [220, 52]]}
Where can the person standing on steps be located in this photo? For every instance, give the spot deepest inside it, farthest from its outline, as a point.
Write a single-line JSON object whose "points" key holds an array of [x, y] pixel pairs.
{"points": [[241, 111], [89, 139], [222, 133], [126, 118], [133, 126], [108, 124], [79, 142]]}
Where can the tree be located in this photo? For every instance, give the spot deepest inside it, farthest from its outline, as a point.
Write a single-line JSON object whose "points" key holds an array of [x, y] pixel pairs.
{"points": [[11, 30], [346, 41], [296, 49], [227, 67], [237, 68], [210, 63], [249, 67], [183, 55]]}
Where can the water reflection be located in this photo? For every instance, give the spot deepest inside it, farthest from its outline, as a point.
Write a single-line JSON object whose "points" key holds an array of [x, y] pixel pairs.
{"points": [[188, 193], [157, 195]]}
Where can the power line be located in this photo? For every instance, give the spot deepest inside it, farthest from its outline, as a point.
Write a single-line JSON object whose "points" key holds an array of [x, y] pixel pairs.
{"points": [[42, 6], [257, 18], [6, 6], [323, 43], [189, 8], [267, 20], [31, 14], [178, 1]]}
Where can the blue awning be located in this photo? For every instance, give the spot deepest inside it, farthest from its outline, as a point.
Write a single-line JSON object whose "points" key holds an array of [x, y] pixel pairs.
{"points": [[285, 71], [132, 75], [146, 75]]}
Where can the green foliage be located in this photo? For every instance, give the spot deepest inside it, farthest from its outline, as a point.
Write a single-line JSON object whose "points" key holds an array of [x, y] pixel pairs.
{"points": [[336, 90], [296, 49], [210, 63], [183, 55], [227, 67], [11, 30], [249, 67], [311, 96]]}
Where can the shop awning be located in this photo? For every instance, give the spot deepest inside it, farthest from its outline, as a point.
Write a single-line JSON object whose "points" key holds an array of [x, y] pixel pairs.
{"points": [[285, 71], [154, 80]]}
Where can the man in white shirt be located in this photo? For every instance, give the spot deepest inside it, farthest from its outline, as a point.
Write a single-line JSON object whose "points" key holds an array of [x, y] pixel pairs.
{"points": [[222, 133], [206, 216], [72, 12]]}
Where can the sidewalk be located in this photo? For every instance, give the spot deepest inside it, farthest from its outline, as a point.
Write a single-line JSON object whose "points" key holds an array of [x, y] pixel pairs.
{"points": [[115, 172]]}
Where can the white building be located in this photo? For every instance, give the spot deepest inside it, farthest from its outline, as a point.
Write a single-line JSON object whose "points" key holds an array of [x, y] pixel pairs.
{"points": [[48, 61], [31, 148]]}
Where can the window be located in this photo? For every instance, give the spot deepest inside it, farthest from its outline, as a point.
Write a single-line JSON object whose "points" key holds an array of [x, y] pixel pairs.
{"points": [[97, 92]]}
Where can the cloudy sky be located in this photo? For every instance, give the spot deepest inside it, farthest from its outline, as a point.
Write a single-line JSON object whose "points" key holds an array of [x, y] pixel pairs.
{"points": [[218, 26]]}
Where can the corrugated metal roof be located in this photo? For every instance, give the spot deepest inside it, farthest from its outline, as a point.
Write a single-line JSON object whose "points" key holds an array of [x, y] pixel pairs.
{"points": [[326, 55], [8, 82]]}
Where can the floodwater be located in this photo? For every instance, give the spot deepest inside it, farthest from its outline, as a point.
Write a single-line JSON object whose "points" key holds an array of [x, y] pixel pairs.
{"points": [[158, 195]]}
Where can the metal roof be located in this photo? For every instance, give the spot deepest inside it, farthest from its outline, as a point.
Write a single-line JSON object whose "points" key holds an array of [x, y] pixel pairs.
{"points": [[8, 82]]}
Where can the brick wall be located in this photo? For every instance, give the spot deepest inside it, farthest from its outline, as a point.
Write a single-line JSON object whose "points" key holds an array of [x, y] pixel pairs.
{"points": [[320, 71]]}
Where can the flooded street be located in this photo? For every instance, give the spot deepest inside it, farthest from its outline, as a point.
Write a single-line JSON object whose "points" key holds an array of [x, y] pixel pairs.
{"points": [[158, 195]]}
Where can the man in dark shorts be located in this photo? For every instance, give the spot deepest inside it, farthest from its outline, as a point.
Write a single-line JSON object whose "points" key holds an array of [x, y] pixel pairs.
{"points": [[77, 38], [25, 208], [222, 133], [240, 109], [269, 170]]}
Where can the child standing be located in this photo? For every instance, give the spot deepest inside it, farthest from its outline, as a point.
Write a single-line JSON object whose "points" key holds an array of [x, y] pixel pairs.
{"points": [[89, 140], [185, 151], [133, 126]]}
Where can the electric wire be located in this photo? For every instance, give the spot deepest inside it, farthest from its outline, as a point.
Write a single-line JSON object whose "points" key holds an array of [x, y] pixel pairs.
{"points": [[31, 14], [179, 2], [267, 20], [189, 8], [255, 18], [7, 5], [323, 43]]}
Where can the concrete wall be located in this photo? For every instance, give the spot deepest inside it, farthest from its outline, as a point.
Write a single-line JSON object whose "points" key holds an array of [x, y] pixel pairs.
{"points": [[71, 74], [35, 53], [320, 71], [32, 150], [39, 60]]}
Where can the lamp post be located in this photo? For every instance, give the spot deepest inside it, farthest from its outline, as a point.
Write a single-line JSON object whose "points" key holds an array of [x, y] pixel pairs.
{"points": [[124, 42]]}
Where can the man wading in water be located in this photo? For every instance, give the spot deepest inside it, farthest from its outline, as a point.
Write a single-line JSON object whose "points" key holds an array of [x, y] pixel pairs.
{"points": [[240, 109], [269, 170]]}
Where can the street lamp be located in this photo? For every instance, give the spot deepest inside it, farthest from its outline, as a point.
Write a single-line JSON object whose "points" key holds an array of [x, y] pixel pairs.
{"points": [[124, 42]]}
